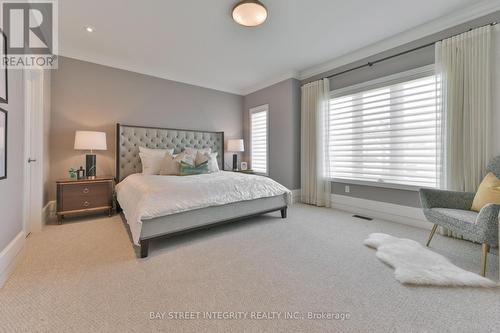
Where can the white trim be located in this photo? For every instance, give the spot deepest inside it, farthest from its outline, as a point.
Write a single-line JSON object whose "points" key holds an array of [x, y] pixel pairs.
{"points": [[400, 77], [152, 72], [427, 29], [296, 196], [114, 63], [49, 212], [411, 216], [257, 109], [10, 256], [386, 81], [270, 82], [33, 149], [424, 30]]}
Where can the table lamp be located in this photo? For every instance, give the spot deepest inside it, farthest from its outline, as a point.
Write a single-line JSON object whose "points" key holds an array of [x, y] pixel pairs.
{"points": [[235, 146], [89, 140]]}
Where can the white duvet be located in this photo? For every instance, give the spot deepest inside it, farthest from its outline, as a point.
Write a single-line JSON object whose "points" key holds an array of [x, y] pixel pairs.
{"points": [[144, 197]]}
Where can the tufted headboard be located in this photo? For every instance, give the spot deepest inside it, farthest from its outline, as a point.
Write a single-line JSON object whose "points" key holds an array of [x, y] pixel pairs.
{"points": [[129, 138]]}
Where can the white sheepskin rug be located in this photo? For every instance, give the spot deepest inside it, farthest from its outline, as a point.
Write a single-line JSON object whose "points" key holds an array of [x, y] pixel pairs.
{"points": [[415, 264]]}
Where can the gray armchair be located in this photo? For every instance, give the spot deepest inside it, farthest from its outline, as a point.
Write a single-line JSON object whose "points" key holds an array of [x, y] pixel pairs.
{"points": [[451, 210]]}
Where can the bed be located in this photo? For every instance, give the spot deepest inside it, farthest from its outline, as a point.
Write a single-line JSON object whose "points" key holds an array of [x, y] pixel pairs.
{"points": [[165, 206]]}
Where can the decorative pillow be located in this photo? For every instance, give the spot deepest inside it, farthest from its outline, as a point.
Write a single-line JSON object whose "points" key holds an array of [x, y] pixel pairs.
{"points": [[151, 164], [201, 158], [170, 164], [211, 158], [488, 192], [187, 158], [155, 152], [186, 169], [193, 151]]}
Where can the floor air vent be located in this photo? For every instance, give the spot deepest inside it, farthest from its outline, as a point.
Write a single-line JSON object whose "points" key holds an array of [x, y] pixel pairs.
{"points": [[362, 217]]}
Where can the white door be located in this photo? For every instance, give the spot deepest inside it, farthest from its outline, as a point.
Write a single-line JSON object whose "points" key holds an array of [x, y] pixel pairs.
{"points": [[33, 180]]}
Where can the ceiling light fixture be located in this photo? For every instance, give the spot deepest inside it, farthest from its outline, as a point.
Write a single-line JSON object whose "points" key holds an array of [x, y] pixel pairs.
{"points": [[249, 13], [89, 29]]}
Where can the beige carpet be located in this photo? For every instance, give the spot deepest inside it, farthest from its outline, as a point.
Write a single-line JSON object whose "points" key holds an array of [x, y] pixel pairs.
{"points": [[84, 277]]}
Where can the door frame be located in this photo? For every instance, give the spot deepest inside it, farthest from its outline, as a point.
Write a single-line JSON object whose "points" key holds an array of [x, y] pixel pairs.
{"points": [[33, 80]]}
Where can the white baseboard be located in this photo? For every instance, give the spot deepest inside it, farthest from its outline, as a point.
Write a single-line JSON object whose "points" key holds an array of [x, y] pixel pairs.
{"points": [[381, 210], [10, 256], [49, 212], [295, 196]]}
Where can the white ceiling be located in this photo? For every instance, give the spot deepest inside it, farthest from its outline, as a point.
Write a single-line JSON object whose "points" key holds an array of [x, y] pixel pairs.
{"points": [[197, 42]]}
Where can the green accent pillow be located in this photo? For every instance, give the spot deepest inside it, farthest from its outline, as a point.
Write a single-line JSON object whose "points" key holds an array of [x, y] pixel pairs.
{"points": [[186, 169]]}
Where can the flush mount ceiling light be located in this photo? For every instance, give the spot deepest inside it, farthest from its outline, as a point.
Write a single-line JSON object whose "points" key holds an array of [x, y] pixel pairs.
{"points": [[249, 13], [89, 29]]}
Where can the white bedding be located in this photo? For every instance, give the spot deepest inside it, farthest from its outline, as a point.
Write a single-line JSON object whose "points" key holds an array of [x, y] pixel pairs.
{"points": [[144, 197]]}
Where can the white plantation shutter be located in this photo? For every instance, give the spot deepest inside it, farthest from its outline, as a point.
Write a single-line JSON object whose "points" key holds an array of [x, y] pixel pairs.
{"points": [[387, 131], [259, 138]]}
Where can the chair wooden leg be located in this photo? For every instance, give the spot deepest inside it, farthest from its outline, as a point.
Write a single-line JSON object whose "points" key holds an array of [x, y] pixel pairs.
{"points": [[283, 213], [433, 231], [484, 253]]}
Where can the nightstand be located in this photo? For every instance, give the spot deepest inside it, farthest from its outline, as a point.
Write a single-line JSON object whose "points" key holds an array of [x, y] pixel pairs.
{"points": [[84, 196]]}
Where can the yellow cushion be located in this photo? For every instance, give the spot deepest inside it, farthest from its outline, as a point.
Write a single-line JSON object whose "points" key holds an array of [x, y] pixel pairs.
{"points": [[488, 192]]}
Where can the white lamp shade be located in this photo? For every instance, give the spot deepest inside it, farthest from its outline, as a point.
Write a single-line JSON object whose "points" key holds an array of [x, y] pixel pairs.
{"points": [[235, 145], [89, 140]]}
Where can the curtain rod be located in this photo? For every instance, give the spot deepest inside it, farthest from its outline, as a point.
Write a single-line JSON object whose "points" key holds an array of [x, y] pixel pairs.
{"points": [[371, 63]]}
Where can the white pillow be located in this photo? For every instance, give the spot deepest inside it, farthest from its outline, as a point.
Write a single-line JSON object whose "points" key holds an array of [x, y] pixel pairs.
{"points": [[155, 152], [213, 166], [151, 164], [170, 164]]}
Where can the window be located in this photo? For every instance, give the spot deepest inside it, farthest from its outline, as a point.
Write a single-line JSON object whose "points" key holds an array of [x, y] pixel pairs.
{"points": [[385, 131], [259, 138]]}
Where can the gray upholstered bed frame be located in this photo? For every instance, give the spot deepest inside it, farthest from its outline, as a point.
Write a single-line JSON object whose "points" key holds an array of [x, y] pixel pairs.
{"points": [[128, 140]]}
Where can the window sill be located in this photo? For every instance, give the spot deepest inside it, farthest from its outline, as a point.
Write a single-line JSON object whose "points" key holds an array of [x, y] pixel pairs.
{"points": [[377, 184]]}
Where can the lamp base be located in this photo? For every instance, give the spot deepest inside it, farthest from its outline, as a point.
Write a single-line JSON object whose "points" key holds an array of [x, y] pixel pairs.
{"points": [[91, 166], [235, 162]]}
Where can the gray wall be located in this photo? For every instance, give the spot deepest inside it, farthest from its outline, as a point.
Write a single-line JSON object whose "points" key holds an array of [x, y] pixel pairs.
{"points": [[284, 129], [402, 63], [390, 195], [11, 189], [87, 96]]}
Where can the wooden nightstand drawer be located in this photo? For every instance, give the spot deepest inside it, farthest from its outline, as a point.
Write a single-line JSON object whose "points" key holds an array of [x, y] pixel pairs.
{"points": [[78, 204], [86, 195], [86, 190]]}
